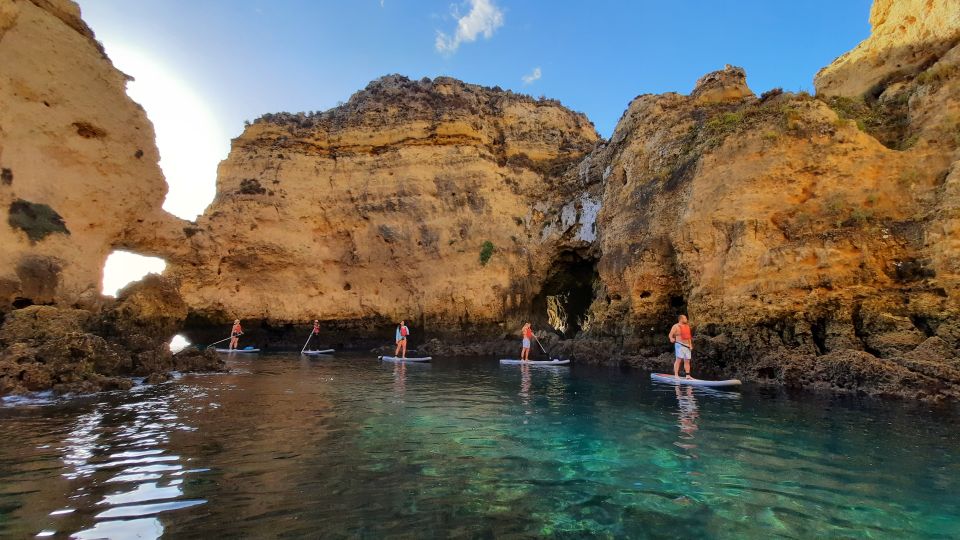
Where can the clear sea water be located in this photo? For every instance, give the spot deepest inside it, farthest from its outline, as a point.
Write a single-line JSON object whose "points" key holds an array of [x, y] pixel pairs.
{"points": [[348, 447]]}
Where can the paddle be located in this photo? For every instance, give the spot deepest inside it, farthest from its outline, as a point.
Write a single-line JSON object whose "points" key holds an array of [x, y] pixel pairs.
{"points": [[221, 341], [308, 341], [541, 348]]}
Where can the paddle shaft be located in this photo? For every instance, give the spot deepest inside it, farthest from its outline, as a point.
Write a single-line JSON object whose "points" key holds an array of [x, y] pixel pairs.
{"points": [[308, 341], [541, 346], [222, 340]]}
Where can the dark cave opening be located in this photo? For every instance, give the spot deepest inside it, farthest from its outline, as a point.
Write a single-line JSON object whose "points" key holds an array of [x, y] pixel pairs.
{"points": [[566, 295]]}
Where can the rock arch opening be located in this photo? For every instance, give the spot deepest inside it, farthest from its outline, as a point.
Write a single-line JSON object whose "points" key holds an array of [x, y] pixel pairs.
{"points": [[565, 298], [124, 267]]}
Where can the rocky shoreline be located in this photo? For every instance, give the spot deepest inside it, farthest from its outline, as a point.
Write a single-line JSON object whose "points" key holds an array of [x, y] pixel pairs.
{"points": [[73, 350], [814, 240]]}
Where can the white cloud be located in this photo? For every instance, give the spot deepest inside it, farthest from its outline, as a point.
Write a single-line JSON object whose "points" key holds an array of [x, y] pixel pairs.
{"points": [[532, 76], [484, 18]]}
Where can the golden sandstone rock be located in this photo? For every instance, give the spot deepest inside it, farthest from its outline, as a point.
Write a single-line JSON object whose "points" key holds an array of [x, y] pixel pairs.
{"points": [[813, 240], [380, 209], [907, 37], [78, 161]]}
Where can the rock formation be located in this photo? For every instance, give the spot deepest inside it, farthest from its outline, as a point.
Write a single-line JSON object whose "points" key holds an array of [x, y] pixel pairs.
{"points": [[418, 199], [78, 178], [76, 350], [793, 236], [907, 38], [813, 240], [78, 161]]}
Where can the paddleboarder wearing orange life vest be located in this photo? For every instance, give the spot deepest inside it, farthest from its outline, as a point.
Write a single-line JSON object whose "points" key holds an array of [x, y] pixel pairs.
{"points": [[402, 333], [235, 334], [527, 333], [682, 338]]}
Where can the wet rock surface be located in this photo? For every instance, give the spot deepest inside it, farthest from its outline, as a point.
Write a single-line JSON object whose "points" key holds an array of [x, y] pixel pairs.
{"points": [[78, 351]]}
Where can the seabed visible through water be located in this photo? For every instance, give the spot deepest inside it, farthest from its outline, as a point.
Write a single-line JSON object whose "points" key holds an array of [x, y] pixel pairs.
{"points": [[351, 447]]}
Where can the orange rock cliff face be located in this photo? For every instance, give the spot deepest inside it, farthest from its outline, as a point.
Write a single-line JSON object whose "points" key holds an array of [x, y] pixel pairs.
{"points": [[78, 178], [78, 160], [813, 240], [418, 199]]}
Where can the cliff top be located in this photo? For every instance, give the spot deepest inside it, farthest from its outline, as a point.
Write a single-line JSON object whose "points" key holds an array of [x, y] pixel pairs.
{"points": [[406, 99]]}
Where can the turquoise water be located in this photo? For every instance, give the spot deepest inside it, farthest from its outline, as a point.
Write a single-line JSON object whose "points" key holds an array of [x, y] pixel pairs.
{"points": [[350, 447]]}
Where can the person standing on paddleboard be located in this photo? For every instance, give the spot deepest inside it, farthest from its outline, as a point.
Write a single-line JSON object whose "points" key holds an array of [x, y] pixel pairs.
{"points": [[316, 329], [682, 338], [235, 333], [527, 333], [402, 333]]}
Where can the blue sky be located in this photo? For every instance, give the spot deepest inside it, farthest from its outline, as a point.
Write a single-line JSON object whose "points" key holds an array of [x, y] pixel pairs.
{"points": [[239, 59]]}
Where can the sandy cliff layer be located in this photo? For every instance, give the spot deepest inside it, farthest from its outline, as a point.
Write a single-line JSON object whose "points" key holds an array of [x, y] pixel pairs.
{"points": [[907, 37], [381, 208], [78, 161]]}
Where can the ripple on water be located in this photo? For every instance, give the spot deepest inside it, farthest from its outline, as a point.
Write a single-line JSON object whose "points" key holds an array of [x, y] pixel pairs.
{"points": [[355, 448]]}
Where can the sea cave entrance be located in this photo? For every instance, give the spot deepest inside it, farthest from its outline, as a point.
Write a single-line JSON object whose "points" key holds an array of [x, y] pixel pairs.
{"points": [[567, 293]]}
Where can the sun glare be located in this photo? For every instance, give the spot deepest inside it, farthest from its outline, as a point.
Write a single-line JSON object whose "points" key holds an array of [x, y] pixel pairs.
{"points": [[191, 141], [122, 267]]}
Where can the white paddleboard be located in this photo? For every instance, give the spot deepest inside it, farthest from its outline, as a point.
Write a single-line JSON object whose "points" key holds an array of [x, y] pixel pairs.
{"points": [[667, 378], [398, 359], [555, 362], [315, 353], [239, 350]]}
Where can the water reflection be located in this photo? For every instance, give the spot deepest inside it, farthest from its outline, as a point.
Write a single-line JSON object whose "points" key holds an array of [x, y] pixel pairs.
{"points": [[688, 413], [300, 449], [525, 384], [399, 378], [121, 468]]}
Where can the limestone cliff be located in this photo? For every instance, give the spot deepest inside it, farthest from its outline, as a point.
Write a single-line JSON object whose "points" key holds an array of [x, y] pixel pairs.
{"points": [[792, 235], [78, 161], [417, 199], [907, 37], [78, 178]]}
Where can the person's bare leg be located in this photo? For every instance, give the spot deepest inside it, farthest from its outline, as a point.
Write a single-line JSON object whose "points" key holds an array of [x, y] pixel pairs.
{"points": [[686, 367], [403, 345], [676, 368], [396, 352]]}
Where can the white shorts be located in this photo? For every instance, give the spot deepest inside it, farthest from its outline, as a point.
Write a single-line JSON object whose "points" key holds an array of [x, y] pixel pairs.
{"points": [[682, 352], [526, 343]]}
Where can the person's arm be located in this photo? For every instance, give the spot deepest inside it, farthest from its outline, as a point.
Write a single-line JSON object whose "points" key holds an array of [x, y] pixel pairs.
{"points": [[673, 334]]}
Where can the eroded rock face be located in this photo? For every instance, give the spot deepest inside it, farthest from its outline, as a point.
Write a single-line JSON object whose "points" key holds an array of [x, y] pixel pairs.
{"points": [[75, 350], [78, 161], [907, 37], [785, 224], [417, 199]]}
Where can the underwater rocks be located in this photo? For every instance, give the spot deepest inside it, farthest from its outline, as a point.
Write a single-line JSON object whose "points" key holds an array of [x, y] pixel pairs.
{"points": [[75, 350]]}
